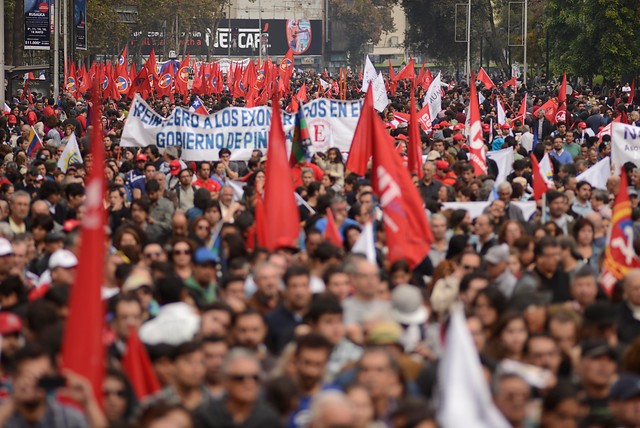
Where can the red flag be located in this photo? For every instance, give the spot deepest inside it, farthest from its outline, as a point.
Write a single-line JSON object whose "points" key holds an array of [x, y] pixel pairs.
{"points": [[393, 85], [540, 185], [619, 254], [152, 67], [71, 79], [137, 365], [165, 81], [280, 205], [407, 229], [484, 78], [522, 113], [414, 150], [262, 227], [360, 150], [511, 82], [550, 108], [476, 143], [286, 69], [83, 350], [407, 72], [182, 78], [141, 84], [122, 80], [84, 80], [633, 91], [133, 73], [426, 80], [112, 86], [198, 86], [561, 112], [420, 75], [331, 232]]}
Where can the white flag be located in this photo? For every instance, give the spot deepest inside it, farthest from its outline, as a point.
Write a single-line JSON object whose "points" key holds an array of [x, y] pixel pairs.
{"points": [[465, 400], [380, 99], [598, 174], [325, 85], [238, 189], [368, 75], [504, 159], [366, 244], [70, 154], [502, 117], [433, 97], [546, 170], [301, 202]]}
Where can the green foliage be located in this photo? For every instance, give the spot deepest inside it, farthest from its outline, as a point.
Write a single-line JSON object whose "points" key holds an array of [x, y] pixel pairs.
{"points": [[589, 37], [364, 21], [105, 35]]}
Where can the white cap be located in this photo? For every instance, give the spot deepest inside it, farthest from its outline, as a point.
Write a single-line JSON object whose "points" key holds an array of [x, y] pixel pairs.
{"points": [[62, 258], [5, 247]]}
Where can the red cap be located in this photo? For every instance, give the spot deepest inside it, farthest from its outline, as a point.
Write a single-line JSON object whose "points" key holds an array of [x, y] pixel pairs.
{"points": [[436, 126], [458, 137], [445, 124], [10, 323], [505, 126], [402, 137], [141, 157], [486, 127], [442, 165], [12, 119], [582, 125], [70, 225], [174, 167], [458, 127]]}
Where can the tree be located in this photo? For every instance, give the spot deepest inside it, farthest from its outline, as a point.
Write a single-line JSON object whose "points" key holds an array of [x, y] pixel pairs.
{"points": [[364, 22], [590, 37], [105, 33]]}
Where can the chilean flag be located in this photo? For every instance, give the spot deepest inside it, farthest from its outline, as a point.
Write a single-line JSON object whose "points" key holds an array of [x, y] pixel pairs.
{"points": [[198, 107]]}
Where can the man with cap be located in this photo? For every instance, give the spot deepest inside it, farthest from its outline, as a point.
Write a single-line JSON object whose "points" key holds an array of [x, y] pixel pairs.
{"points": [[624, 400], [202, 281], [11, 332], [498, 270], [444, 174], [597, 370], [6, 258], [497, 143], [138, 169], [408, 310]]}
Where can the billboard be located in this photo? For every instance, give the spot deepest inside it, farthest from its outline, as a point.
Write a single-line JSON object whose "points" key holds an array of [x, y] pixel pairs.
{"points": [[80, 24], [36, 24], [241, 38]]}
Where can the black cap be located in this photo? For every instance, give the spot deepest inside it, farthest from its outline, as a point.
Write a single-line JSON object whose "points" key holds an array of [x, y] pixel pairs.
{"points": [[54, 236], [594, 348], [600, 314], [626, 387]]}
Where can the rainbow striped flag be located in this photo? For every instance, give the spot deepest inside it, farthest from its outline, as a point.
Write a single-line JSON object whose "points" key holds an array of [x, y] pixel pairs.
{"points": [[35, 143], [301, 140]]}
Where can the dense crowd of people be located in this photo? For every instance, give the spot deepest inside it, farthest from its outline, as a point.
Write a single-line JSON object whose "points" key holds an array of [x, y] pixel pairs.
{"points": [[319, 335]]}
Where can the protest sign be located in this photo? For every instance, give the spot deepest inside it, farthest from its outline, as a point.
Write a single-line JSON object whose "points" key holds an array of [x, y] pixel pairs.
{"points": [[331, 123]]}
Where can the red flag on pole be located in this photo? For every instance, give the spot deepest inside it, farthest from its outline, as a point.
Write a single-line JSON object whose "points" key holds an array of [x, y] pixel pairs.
{"points": [[122, 80], [141, 84], [137, 365], [165, 81], [476, 142], [619, 254], [393, 85], [360, 150], [83, 350], [152, 67], [540, 185], [511, 82], [522, 113], [331, 232], [633, 91], [407, 229], [407, 72], [182, 78], [415, 143], [484, 78], [279, 202], [561, 112], [286, 69]]}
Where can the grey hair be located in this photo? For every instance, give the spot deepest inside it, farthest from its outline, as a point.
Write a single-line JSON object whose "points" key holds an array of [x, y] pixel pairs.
{"points": [[20, 193], [236, 354], [326, 401], [505, 185]]}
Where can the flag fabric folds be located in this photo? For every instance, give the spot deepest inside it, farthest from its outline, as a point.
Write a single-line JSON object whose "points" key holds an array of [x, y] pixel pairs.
{"points": [[35, 143], [71, 154], [137, 365], [476, 142], [301, 141], [619, 255]]}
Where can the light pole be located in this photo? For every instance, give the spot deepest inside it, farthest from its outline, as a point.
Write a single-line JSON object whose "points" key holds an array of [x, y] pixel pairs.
{"points": [[2, 53], [260, 32], [525, 43], [469, 44]]}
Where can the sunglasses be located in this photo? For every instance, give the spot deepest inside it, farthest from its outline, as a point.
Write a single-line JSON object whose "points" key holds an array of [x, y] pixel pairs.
{"points": [[118, 392], [181, 252], [241, 378], [153, 255]]}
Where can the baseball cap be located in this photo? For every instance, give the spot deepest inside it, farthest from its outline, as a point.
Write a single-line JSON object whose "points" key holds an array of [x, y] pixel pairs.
{"points": [[505, 126], [459, 137], [174, 167], [203, 256], [626, 387], [10, 323], [406, 305], [594, 348], [5, 247], [442, 165], [64, 259], [385, 333], [458, 127], [137, 280], [171, 151], [445, 124], [497, 254], [433, 155], [486, 127], [401, 137], [12, 119], [141, 157], [582, 125]]}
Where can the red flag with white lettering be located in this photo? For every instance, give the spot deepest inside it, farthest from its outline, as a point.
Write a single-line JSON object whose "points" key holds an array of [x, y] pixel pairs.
{"points": [[476, 142], [414, 150]]}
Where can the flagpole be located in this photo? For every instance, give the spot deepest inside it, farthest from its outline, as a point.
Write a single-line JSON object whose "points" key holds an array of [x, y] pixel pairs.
{"points": [[544, 208], [525, 44], [469, 45]]}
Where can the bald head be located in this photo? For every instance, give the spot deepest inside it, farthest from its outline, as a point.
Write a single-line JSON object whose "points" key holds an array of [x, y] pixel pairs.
{"points": [[330, 409]]}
